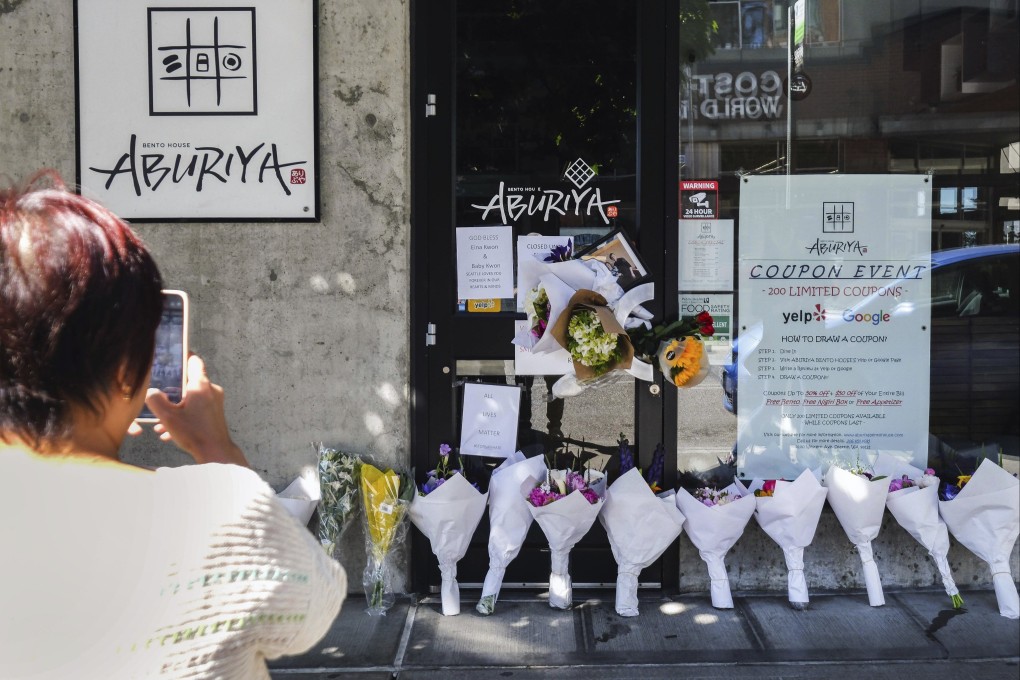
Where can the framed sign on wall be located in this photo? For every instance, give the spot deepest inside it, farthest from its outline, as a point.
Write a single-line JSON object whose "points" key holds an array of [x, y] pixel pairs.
{"points": [[198, 111]]}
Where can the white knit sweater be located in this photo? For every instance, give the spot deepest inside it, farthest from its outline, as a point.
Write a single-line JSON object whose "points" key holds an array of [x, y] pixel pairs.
{"points": [[191, 572]]}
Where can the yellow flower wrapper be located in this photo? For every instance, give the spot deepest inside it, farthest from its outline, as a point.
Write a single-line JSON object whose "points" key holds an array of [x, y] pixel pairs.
{"points": [[385, 500]]}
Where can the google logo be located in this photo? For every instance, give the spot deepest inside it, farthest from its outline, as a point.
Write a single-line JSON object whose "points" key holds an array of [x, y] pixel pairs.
{"points": [[873, 319]]}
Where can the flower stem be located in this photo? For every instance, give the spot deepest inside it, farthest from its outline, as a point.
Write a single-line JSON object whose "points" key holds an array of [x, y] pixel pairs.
{"points": [[957, 601]]}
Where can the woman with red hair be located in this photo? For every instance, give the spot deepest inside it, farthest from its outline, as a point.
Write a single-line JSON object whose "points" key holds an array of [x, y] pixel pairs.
{"points": [[111, 570]]}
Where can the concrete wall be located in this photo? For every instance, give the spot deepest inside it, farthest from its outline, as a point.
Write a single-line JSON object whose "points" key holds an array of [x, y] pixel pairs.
{"points": [[305, 325]]}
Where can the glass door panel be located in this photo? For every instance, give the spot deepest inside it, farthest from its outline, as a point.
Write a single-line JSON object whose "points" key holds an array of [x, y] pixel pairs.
{"points": [[538, 125]]}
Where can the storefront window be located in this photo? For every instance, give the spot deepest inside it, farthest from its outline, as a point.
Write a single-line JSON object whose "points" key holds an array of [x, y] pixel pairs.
{"points": [[757, 24], [924, 88]]}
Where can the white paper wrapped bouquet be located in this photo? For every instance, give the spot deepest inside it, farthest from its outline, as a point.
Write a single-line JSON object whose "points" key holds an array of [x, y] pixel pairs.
{"points": [[641, 521], [913, 501], [788, 512], [858, 497], [447, 509], [982, 512], [509, 519], [565, 505], [715, 520]]}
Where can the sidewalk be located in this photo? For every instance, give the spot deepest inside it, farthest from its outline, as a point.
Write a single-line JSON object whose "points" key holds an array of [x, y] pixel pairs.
{"points": [[762, 638]]}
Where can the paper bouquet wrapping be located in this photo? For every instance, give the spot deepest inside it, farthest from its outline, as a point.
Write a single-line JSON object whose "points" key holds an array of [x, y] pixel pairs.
{"points": [[859, 504], [790, 517], [640, 526], [583, 285], [565, 522], [590, 300], [985, 518], [448, 517], [916, 509], [713, 531], [509, 519], [385, 500]]}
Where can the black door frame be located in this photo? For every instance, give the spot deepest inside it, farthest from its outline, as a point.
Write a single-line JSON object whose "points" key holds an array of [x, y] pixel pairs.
{"points": [[432, 203]]}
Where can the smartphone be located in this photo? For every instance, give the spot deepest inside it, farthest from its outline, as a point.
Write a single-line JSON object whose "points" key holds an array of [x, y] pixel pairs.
{"points": [[171, 356]]}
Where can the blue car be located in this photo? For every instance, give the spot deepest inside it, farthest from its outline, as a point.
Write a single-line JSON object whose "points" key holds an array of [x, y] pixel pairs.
{"points": [[975, 348]]}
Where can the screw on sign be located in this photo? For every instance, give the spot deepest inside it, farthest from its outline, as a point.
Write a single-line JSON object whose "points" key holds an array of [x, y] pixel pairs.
{"points": [[297, 176], [612, 211]]}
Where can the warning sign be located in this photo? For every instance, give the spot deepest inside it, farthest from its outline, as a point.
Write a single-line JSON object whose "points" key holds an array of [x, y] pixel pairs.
{"points": [[699, 199]]}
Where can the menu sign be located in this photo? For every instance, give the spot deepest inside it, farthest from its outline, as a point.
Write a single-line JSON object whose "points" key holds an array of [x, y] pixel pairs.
{"points": [[833, 342], [706, 255]]}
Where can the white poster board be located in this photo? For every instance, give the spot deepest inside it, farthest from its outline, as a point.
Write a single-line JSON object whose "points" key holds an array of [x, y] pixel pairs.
{"points": [[533, 250], [706, 255], [557, 362], [489, 420], [834, 319], [198, 110], [485, 263]]}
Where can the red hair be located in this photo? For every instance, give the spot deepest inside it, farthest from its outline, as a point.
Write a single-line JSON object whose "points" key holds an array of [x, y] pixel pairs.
{"points": [[79, 302]]}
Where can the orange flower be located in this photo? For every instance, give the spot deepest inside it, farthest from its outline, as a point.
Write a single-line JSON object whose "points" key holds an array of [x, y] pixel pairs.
{"points": [[684, 361]]}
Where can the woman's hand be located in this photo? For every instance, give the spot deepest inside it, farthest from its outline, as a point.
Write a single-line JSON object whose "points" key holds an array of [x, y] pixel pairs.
{"points": [[198, 424]]}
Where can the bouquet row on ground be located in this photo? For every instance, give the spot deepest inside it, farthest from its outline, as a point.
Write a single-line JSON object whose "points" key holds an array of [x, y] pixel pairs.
{"points": [[982, 511]]}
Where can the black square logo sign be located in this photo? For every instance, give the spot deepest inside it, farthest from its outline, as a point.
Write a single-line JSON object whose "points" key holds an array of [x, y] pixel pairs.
{"points": [[837, 218], [202, 61]]}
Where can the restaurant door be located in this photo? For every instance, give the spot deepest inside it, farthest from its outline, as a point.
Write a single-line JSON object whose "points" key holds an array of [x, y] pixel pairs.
{"points": [[516, 103]]}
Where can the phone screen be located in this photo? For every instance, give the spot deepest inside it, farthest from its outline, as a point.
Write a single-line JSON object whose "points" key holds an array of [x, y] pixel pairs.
{"points": [[168, 360]]}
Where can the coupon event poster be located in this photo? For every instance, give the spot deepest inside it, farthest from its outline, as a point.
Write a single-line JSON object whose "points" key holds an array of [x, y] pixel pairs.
{"points": [[833, 359], [198, 111]]}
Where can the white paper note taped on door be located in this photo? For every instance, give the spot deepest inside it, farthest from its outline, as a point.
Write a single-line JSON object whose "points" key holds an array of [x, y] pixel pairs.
{"points": [[489, 420], [485, 263]]}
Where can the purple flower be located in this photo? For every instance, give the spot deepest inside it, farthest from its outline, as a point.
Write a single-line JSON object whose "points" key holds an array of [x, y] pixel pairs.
{"points": [[560, 253], [431, 484], [949, 493], [930, 471], [626, 456], [590, 495], [444, 450], [539, 497], [575, 481], [895, 485]]}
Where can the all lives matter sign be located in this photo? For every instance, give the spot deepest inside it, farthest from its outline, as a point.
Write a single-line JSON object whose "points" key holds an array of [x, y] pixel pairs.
{"points": [[699, 199]]}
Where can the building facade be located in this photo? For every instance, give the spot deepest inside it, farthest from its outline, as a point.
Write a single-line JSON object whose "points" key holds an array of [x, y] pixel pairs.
{"points": [[445, 114]]}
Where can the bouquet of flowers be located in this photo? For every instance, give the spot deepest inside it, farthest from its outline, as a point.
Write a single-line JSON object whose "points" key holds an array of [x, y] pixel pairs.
{"points": [[565, 505], [385, 497], [579, 306], [788, 512], [509, 519], [858, 498], [447, 511], [984, 515], [641, 525], [338, 486], [677, 348], [596, 341], [537, 307], [715, 520], [913, 501]]}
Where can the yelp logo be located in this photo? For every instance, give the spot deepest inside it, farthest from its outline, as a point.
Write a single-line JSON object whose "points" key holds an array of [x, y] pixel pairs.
{"points": [[805, 315]]}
